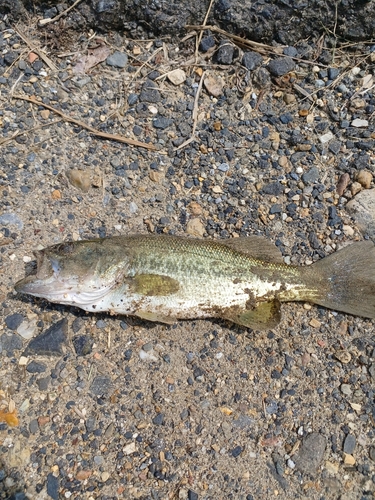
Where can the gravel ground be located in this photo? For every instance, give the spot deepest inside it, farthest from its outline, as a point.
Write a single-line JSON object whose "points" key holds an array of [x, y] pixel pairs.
{"points": [[114, 407]]}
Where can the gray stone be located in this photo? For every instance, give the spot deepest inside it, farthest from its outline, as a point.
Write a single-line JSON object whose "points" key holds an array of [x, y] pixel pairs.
{"points": [[11, 219], [207, 43], [346, 389], [133, 207], [159, 419], [50, 342], [311, 175], [290, 51], [33, 426], [83, 345], [281, 66], [243, 422], [83, 81], [162, 122], [225, 53], [362, 209], [333, 73], [13, 321], [311, 453], [147, 347], [349, 444], [132, 99], [117, 59], [150, 92], [273, 188], [53, 485], [252, 60], [102, 384], [10, 343], [334, 147], [43, 383], [35, 367]]}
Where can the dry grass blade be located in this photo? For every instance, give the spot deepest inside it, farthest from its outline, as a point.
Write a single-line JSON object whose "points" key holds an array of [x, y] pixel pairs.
{"points": [[199, 39], [258, 47], [103, 135], [35, 49], [5, 140]]}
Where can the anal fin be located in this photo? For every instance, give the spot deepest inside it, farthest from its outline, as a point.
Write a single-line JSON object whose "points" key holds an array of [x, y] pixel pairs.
{"points": [[265, 315], [152, 316]]}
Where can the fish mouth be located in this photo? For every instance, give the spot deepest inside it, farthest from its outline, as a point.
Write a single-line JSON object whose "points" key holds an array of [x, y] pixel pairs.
{"points": [[44, 279], [49, 281]]}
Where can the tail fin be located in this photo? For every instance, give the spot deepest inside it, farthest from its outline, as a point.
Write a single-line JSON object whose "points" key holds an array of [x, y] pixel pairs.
{"points": [[348, 280]]}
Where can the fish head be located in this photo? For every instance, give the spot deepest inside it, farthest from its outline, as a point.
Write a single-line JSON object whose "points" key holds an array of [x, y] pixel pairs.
{"points": [[75, 273]]}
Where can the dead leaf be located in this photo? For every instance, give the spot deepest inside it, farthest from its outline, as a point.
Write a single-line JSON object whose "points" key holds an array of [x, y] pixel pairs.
{"points": [[94, 57]]}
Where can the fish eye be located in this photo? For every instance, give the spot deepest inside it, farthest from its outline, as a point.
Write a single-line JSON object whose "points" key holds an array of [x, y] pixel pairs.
{"points": [[65, 248]]}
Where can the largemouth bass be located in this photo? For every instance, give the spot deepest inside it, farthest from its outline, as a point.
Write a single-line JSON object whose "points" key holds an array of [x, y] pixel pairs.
{"points": [[165, 278]]}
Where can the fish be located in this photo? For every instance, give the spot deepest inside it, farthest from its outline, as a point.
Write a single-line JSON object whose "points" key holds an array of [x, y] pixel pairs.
{"points": [[166, 278]]}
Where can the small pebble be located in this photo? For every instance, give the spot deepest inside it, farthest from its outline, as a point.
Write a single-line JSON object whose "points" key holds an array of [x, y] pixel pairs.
{"points": [[50, 342], [281, 66], [310, 455], [349, 444], [252, 60], [117, 59], [14, 321], [359, 123], [177, 76]]}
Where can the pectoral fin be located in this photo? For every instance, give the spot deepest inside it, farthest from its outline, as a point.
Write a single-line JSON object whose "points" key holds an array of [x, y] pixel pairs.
{"points": [[151, 316], [265, 315], [151, 285]]}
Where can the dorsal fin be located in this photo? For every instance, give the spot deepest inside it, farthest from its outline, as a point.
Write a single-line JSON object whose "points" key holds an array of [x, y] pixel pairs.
{"points": [[257, 247]]}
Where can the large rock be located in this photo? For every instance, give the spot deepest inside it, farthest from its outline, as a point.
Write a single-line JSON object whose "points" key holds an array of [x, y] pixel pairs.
{"points": [[284, 21], [362, 210]]}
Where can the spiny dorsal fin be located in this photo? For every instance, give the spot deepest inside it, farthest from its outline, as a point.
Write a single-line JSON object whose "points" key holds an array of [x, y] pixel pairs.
{"points": [[257, 247], [153, 285]]}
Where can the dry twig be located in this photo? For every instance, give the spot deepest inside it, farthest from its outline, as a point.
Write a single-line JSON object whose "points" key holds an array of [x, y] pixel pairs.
{"points": [[259, 47], [194, 116], [103, 135], [43, 22]]}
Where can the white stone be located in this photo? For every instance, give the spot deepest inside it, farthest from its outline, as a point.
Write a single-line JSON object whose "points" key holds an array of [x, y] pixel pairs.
{"points": [[359, 123], [326, 137], [129, 448], [177, 76]]}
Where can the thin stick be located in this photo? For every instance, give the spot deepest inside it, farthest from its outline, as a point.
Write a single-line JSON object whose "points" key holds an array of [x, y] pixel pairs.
{"points": [[43, 22], [5, 140], [103, 135], [194, 116], [35, 49]]}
